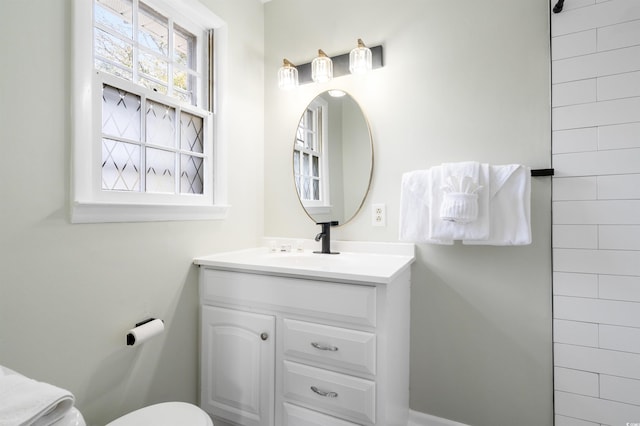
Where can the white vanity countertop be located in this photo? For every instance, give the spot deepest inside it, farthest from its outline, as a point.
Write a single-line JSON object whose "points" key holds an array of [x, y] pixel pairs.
{"points": [[377, 263]]}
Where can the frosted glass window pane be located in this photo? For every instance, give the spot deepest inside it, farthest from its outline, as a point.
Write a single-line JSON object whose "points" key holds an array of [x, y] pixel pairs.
{"points": [[116, 15], [149, 143], [160, 167], [153, 30], [315, 169], [296, 162], [305, 165], [191, 178], [120, 166], [191, 136], [161, 129], [305, 189], [316, 189], [120, 113]]}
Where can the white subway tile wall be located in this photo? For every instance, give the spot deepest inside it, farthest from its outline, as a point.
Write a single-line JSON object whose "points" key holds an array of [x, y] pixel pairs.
{"points": [[596, 212]]}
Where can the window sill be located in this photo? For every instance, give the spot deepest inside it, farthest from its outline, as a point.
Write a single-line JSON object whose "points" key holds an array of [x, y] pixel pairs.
{"points": [[110, 213]]}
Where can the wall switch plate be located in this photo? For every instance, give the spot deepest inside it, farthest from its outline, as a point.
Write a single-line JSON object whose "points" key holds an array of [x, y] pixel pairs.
{"points": [[378, 215]]}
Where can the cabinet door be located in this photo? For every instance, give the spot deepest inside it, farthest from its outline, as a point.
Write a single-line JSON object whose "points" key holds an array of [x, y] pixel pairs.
{"points": [[237, 366]]}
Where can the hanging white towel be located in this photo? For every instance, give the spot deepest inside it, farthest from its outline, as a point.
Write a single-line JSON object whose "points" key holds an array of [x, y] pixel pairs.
{"points": [[504, 208], [26, 402], [414, 208], [510, 206], [477, 177]]}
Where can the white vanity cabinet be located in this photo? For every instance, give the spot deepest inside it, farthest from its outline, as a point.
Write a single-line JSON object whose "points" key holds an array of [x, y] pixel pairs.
{"points": [[280, 348], [237, 365]]}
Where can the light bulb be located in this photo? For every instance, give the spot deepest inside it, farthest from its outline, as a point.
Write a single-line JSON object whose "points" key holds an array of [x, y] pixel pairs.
{"points": [[321, 68], [287, 76], [360, 59]]}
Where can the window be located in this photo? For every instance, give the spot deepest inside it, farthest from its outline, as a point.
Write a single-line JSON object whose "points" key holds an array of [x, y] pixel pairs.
{"points": [[310, 157], [145, 147], [139, 44]]}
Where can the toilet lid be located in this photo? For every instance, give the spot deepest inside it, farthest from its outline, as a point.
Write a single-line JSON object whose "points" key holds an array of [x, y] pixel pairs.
{"points": [[165, 414]]}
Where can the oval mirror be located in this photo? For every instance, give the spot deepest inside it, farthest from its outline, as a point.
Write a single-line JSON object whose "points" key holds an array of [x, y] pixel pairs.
{"points": [[332, 158]]}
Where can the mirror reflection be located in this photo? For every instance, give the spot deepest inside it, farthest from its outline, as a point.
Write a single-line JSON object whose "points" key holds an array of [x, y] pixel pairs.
{"points": [[332, 158]]}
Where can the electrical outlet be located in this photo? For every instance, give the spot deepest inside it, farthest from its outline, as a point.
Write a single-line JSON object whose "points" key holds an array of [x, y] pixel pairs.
{"points": [[378, 215]]}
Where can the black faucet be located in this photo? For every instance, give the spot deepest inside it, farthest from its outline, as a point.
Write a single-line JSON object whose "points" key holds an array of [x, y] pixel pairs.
{"points": [[325, 236]]}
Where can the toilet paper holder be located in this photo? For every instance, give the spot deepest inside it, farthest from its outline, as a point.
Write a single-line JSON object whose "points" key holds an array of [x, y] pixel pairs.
{"points": [[133, 338]]}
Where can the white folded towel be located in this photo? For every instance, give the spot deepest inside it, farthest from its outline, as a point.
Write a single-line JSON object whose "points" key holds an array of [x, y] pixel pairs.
{"points": [[504, 205], [510, 206], [414, 208], [471, 216], [26, 402]]}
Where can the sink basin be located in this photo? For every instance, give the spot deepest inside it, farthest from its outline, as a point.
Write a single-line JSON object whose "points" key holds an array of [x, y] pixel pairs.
{"points": [[348, 265]]}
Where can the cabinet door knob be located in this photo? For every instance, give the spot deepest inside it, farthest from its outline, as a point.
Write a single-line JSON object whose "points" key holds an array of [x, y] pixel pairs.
{"points": [[264, 335], [326, 394]]}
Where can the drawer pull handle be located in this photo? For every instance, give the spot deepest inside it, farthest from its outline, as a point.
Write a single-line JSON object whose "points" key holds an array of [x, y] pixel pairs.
{"points": [[322, 347], [326, 394]]}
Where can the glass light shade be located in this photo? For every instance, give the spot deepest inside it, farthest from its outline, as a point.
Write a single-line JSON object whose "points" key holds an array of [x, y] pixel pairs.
{"points": [[321, 68], [287, 76], [360, 61]]}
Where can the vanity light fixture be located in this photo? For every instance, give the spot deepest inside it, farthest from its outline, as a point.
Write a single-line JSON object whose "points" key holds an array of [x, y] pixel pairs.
{"points": [[360, 61], [324, 68], [321, 68], [287, 76]]}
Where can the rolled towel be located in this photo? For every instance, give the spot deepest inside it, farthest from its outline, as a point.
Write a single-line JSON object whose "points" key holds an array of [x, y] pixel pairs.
{"points": [[459, 199], [462, 217], [459, 207], [27, 402]]}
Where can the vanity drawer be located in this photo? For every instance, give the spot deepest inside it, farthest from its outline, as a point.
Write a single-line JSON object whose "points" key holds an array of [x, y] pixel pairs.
{"points": [[333, 393], [350, 303], [336, 347], [298, 416]]}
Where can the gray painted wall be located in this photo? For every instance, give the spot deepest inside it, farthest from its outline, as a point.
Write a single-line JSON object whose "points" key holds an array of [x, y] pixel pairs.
{"points": [[463, 80], [68, 293]]}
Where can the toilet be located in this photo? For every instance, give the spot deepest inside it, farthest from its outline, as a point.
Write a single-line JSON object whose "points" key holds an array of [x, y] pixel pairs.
{"points": [[163, 414]]}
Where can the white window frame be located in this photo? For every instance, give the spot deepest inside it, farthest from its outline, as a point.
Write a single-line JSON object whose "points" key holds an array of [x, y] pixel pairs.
{"points": [[89, 203], [322, 206]]}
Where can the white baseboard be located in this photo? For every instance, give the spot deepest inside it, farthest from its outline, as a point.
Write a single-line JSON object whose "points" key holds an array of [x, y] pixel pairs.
{"points": [[417, 418]]}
